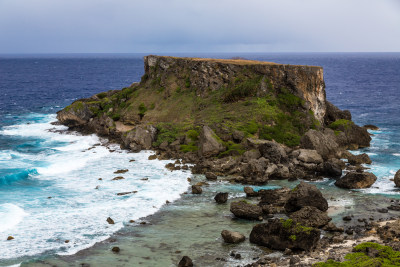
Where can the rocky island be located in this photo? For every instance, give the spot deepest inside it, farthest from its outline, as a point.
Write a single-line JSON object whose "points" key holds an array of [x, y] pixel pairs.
{"points": [[247, 122]]}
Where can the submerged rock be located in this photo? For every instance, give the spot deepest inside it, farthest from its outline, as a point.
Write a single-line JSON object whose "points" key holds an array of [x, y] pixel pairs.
{"points": [[121, 171], [232, 237], [356, 180], [244, 210], [250, 191], [196, 189], [116, 249], [110, 221], [10, 237], [303, 195], [281, 234]]}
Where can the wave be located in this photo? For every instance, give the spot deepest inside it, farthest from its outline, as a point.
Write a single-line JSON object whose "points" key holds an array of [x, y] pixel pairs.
{"points": [[18, 176], [10, 216]]}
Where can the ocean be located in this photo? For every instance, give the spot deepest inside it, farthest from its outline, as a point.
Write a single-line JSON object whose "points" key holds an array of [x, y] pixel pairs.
{"points": [[51, 199]]}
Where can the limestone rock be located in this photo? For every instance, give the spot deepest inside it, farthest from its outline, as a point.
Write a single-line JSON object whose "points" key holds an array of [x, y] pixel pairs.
{"points": [[303, 195], [245, 210], [143, 136], [359, 159], [209, 144], [310, 216], [323, 143], [196, 189], [273, 151], [356, 180], [309, 156], [232, 237], [280, 234], [397, 178], [221, 197]]}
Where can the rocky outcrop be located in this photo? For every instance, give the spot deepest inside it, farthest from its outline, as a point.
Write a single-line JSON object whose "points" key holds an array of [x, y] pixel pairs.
{"points": [[142, 136], [232, 237], [284, 234], [359, 159], [390, 231], [356, 180], [333, 113], [244, 210], [397, 178], [209, 144], [323, 142], [304, 195]]}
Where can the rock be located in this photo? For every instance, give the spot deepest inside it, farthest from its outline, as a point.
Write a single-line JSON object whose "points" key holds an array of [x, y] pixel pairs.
{"points": [[185, 262], [308, 156], [305, 194], [211, 176], [280, 234], [331, 227], [121, 171], [77, 114], [250, 191], [238, 136], [397, 178], [126, 193], [221, 197], [232, 237], [245, 210], [331, 169], [251, 154], [273, 151], [163, 145], [310, 216], [359, 159], [117, 178], [10, 237], [116, 249], [274, 198], [144, 136], [390, 231], [152, 157], [209, 144], [347, 218], [135, 147], [323, 143], [110, 221], [356, 180], [352, 136], [371, 127], [196, 189], [333, 113]]}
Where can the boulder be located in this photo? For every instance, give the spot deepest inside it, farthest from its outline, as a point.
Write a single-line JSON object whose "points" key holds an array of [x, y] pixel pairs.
{"points": [[196, 189], [308, 156], [232, 237], [333, 113], [356, 180], [244, 210], [397, 178], [76, 114], [211, 176], [281, 234], [352, 136], [323, 142], [110, 221], [390, 231], [209, 144], [303, 195], [221, 197], [276, 197], [273, 151], [250, 191], [359, 159], [310, 216], [371, 127], [332, 168], [144, 136], [185, 262], [251, 154]]}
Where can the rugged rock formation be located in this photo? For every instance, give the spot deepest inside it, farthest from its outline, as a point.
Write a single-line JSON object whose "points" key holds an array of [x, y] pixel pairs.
{"points": [[310, 216], [232, 237], [244, 210], [304, 195]]}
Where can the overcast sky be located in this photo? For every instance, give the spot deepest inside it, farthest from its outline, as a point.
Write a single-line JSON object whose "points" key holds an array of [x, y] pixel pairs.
{"points": [[128, 26]]}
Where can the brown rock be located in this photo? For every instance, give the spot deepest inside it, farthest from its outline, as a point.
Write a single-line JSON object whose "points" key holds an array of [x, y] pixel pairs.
{"points": [[185, 262], [246, 210], [310, 216], [232, 237], [397, 178], [305, 194], [356, 180], [196, 189], [110, 221], [121, 171], [221, 197], [10, 237]]}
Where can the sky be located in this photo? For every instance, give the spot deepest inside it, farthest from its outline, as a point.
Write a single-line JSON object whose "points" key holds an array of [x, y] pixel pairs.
{"points": [[132, 26]]}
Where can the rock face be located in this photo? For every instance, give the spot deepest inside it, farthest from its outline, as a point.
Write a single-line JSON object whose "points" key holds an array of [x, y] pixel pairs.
{"points": [[304, 195], [356, 180], [310, 216], [207, 74], [397, 178], [273, 151], [232, 237], [143, 136], [333, 113], [309, 156], [280, 234], [245, 210], [209, 144]]}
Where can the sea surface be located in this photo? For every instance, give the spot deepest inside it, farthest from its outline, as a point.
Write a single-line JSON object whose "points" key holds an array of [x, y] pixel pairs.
{"points": [[51, 199]]}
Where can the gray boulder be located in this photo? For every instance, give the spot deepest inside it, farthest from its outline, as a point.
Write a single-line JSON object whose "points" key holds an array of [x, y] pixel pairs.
{"points": [[310, 216], [221, 197], [209, 145], [142, 136], [397, 178], [308, 156], [359, 159], [273, 151], [323, 142], [356, 180]]}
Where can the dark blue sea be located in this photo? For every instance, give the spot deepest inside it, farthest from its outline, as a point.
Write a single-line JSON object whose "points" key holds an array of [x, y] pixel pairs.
{"points": [[48, 177]]}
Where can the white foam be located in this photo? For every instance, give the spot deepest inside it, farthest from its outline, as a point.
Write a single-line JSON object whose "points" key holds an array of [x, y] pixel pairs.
{"points": [[76, 210], [396, 154], [10, 216]]}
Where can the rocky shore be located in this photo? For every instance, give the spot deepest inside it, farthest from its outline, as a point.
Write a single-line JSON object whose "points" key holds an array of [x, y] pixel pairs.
{"points": [[248, 122]]}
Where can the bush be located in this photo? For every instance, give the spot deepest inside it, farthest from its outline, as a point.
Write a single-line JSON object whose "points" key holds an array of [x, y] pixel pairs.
{"points": [[341, 124], [102, 95]]}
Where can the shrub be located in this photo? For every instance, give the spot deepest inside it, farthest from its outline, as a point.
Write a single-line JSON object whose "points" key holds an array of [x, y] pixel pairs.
{"points": [[102, 95], [341, 124]]}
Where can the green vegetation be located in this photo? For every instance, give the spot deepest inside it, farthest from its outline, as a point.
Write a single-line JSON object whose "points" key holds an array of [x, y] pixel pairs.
{"points": [[142, 110], [293, 237], [232, 149], [341, 124], [286, 223], [189, 148], [381, 255], [187, 82], [241, 88], [102, 95], [166, 132]]}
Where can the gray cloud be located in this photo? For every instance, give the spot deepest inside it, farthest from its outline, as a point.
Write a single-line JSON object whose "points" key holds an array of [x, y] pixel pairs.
{"points": [[198, 26]]}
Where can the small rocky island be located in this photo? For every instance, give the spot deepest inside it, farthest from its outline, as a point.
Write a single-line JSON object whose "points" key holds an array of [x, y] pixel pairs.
{"points": [[247, 122]]}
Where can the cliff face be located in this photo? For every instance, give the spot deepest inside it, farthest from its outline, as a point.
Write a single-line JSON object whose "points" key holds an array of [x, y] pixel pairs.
{"points": [[207, 75]]}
